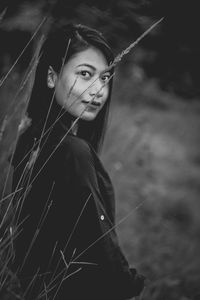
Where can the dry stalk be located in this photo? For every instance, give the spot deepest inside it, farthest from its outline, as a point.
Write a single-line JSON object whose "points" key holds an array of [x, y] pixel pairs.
{"points": [[115, 62]]}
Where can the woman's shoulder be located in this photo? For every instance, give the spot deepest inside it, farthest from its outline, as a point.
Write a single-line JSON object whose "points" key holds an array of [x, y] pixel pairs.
{"points": [[74, 147], [75, 144], [74, 156]]}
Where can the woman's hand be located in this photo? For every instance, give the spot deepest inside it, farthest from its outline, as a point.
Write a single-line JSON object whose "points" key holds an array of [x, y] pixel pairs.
{"points": [[138, 281]]}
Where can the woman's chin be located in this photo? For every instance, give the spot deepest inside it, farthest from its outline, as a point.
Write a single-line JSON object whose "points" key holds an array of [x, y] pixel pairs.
{"points": [[88, 116]]}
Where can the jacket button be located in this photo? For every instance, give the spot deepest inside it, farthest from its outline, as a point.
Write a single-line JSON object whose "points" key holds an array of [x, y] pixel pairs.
{"points": [[102, 217]]}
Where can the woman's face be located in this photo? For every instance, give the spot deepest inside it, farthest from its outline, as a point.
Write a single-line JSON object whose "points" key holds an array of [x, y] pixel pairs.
{"points": [[81, 87]]}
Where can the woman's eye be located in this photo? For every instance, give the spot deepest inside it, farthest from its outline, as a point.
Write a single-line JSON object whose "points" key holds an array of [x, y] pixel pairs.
{"points": [[85, 74], [105, 77]]}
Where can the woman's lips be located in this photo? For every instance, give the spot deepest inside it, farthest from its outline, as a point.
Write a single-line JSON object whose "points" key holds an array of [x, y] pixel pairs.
{"points": [[92, 104]]}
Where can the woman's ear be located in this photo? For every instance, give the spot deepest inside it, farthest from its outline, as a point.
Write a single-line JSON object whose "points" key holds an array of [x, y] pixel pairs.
{"points": [[51, 78]]}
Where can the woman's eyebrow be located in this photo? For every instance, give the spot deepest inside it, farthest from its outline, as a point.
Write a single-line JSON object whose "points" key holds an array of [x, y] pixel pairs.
{"points": [[87, 65], [107, 69]]}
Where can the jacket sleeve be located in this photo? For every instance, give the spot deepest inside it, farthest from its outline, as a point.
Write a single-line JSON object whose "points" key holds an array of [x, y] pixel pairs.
{"points": [[94, 237]]}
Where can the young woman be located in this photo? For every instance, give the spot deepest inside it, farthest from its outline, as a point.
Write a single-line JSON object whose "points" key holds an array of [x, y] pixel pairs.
{"points": [[67, 247]]}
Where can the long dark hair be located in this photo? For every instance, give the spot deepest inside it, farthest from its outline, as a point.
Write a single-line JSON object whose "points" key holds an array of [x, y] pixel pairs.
{"points": [[61, 43]]}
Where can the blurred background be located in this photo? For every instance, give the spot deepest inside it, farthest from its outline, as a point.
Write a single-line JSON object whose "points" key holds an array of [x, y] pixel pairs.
{"points": [[152, 143]]}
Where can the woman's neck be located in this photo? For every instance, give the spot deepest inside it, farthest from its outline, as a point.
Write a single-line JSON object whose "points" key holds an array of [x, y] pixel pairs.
{"points": [[74, 127], [68, 122]]}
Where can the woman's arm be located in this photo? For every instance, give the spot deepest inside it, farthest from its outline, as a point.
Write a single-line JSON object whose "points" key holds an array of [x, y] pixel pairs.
{"points": [[95, 236]]}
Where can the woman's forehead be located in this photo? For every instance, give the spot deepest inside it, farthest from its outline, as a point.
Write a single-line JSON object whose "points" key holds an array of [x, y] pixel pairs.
{"points": [[91, 56]]}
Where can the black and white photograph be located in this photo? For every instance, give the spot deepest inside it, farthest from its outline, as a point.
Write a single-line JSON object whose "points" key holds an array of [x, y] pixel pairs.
{"points": [[99, 150]]}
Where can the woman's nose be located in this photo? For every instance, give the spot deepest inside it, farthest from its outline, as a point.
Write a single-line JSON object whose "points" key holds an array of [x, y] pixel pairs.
{"points": [[96, 89]]}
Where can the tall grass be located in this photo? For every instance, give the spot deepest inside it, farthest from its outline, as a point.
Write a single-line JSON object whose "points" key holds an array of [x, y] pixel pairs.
{"points": [[152, 163]]}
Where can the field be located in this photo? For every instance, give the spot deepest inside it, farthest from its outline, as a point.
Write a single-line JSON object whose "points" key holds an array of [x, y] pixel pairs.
{"points": [[152, 154]]}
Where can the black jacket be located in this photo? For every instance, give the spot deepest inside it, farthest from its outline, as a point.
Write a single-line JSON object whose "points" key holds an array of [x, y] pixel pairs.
{"points": [[69, 212]]}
